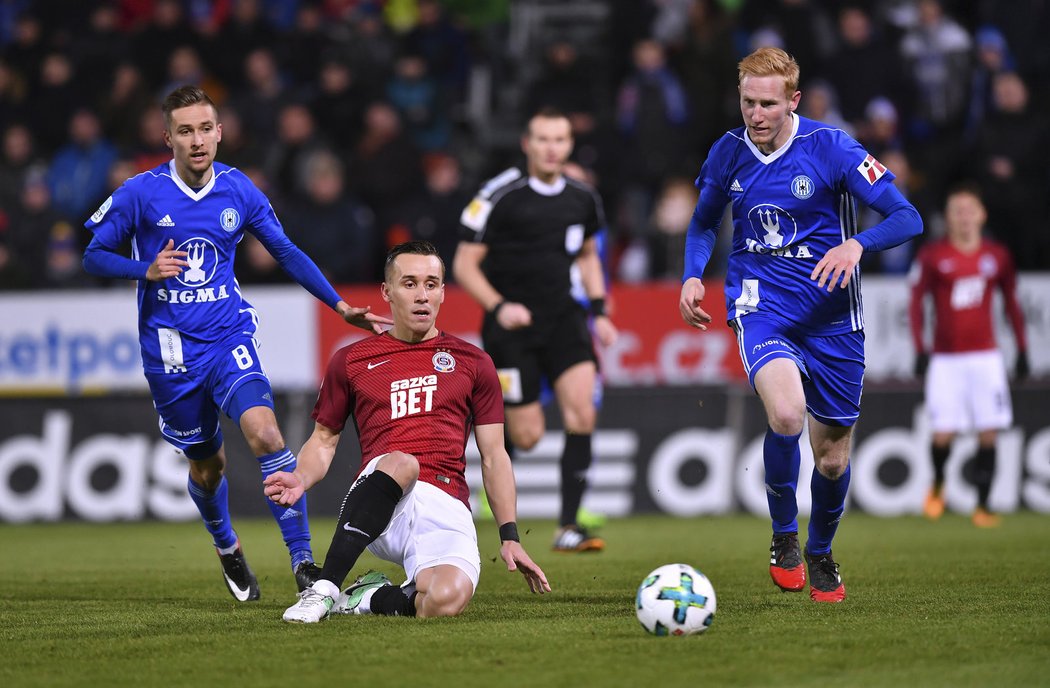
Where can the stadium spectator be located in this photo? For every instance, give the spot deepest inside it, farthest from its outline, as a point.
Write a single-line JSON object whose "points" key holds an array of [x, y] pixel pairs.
{"points": [[261, 93], [419, 99], [329, 224], [286, 156], [199, 354], [126, 97], [1012, 172], [432, 214], [339, 104], [385, 167], [54, 97], [165, 30], [792, 294], [77, 175], [520, 237], [964, 371], [17, 158], [444, 46], [408, 503], [993, 58]]}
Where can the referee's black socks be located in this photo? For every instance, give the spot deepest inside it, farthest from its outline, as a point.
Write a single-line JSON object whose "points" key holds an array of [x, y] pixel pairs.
{"points": [[575, 460]]}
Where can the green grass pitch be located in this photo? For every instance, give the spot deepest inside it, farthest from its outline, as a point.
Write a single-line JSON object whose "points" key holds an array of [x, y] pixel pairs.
{"points": [[929, 604]]}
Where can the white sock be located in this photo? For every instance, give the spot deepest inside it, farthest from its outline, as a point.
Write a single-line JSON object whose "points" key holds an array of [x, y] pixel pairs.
{"points": [[326, 588]]}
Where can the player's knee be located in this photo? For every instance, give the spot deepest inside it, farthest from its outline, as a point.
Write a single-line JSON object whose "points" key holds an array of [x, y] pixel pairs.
{"points": [[833, 465], [207, 473], [402, 467], [526, 438], [447, 597], [787, 418], [580, 421], [265, 439]]}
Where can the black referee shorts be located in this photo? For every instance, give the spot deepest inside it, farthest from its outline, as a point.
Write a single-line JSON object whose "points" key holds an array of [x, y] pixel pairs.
{"points": [[547, 348]]}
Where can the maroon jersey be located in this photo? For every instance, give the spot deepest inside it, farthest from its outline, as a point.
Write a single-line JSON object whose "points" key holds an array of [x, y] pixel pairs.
{"points": [[961, 285], [421, 399]]}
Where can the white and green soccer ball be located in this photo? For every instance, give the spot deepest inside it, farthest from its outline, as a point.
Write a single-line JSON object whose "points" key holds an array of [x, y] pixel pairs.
{"points": [[675, 599]]}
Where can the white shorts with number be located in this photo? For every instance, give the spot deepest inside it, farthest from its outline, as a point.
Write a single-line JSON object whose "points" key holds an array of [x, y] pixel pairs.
{"points": [[968, 391], [429, 527]]}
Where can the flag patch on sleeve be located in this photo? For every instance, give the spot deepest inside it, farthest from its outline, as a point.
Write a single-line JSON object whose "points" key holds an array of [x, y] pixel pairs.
{"points": [[871, 169]]}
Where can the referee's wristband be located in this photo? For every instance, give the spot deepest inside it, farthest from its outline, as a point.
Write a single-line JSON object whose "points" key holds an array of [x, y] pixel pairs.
{"points": [[495, 309], [509, 532], [597, 306]]}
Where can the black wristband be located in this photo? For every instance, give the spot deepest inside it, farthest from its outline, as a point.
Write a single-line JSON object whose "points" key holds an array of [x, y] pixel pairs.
{"points": [[597, 306], [495, 309], [509, 531]]}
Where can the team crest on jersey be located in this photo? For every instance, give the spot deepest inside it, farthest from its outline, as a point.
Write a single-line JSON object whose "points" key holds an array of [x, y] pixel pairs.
{"points": [[444, 362], [203, 259], [230, 219], [802, 187], [773, 226], [102, 210]]}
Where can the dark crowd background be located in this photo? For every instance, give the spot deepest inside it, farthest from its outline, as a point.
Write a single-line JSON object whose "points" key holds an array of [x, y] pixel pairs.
{"points": [[368, 123]]}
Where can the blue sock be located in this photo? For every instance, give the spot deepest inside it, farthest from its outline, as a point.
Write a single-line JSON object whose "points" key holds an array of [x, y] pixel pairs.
{"points": [[292, 520], [829, 500], [781, 457], [215, 511]]}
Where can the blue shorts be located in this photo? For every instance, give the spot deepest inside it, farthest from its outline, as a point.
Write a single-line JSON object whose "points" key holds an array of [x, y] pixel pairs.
{"points": [[832, 366], [188, 403]]}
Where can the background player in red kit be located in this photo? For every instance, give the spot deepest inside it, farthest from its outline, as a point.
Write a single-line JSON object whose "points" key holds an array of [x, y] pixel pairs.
{"points": [[966, 385], [413, 393]]}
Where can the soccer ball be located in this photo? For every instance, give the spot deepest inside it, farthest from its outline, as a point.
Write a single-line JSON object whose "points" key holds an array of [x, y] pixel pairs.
{"points": [[675, 599]]}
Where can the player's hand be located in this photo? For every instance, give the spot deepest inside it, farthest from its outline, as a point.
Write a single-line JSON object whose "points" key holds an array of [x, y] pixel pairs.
{"points": [[168, 263], [1021, 369], [518, 560], [922, 362], [689, 304], [362, 317], [513, 316], [836, 267], [283, 488], [605, 331]]}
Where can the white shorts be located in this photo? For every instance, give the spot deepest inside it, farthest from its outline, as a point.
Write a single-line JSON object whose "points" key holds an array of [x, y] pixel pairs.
{"points": [[429, 527], [968, 391]]}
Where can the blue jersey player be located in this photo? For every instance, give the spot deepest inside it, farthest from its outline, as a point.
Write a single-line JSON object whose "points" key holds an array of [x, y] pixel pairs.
{"points": [[183, 220], [793, 295]]}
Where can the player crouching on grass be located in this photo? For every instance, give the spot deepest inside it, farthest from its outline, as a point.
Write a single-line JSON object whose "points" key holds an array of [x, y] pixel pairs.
{"points": [[414, 392]]}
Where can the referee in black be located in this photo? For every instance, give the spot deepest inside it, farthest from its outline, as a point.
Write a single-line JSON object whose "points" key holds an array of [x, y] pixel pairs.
{"points": [[520, 237]]}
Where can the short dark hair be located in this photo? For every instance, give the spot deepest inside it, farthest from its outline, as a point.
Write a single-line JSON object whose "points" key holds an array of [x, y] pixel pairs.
{"points": [[416, 247], [184, 96], [546, 112], [968, 187]]}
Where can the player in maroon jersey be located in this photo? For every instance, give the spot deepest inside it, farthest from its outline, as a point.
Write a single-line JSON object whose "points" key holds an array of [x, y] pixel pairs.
{"points": [[413, 393], [966, 385]]}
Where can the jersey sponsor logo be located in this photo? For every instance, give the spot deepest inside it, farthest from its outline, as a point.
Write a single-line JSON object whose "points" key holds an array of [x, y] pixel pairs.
{"points": [[230, 219], [166, 221], [102, 210], [968, 292], [773, 226], [412, 395], [444, 362], [769, 342], [476, 214], [871, 169], [205, 295], [735, 186], [802, 187], [203, 259]]}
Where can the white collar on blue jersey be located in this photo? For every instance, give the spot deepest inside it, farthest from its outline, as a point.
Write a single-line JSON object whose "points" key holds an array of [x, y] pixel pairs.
{"points": [[547, 189], [195, 195], [779, 152]]}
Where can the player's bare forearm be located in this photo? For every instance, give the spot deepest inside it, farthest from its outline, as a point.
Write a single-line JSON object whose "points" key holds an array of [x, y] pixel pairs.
{"points": [[497, 474], [315, 458]]}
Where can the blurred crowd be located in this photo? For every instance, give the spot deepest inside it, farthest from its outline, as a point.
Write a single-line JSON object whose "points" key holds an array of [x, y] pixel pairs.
{"points": [[371, 122]]}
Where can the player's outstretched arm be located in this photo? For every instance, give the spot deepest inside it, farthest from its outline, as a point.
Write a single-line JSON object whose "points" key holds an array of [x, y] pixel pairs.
{"points": [[498, 478], [362, 317], [689, 304], [313, 463]]}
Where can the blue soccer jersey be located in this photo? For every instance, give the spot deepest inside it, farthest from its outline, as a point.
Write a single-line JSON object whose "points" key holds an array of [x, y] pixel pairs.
{"points": [[181, 318], [789, 209]]}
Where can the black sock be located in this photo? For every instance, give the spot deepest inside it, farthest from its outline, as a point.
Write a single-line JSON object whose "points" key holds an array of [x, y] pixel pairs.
{"points": [[366, 511], [575, 460], [389, 600], [984, 470], [940, 458]]}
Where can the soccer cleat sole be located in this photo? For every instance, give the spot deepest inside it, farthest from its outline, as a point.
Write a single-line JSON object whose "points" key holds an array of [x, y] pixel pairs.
{"points": [[789, 580], [836, 595]]}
